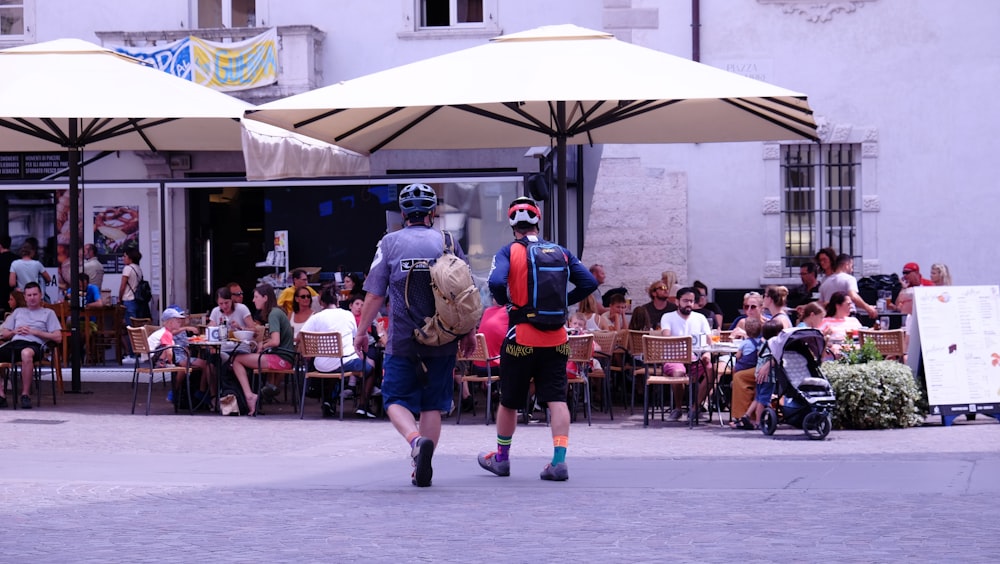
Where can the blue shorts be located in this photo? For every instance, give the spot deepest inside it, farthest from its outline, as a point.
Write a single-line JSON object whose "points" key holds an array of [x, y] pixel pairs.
{"points": [[763, 393], [405, 383]]}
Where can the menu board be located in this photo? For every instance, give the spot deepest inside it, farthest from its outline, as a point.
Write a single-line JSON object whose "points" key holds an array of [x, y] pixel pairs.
{"points": [[958, 329]]}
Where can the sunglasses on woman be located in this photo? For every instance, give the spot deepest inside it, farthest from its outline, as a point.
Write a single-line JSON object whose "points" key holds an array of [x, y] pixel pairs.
{"points": [[306, 296]]}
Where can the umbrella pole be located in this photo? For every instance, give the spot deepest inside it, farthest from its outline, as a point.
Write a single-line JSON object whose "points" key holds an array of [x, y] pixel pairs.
{"points": [[74, 255], [561, 233]]}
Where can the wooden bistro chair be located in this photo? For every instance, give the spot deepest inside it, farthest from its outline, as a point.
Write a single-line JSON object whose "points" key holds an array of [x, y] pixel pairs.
{"points": [[581, 353], [657, 351], [607, 341], [634, 345], [481, 354], [138, 338], [288, 374], [312, 345], [890, 344], [48, 357]]}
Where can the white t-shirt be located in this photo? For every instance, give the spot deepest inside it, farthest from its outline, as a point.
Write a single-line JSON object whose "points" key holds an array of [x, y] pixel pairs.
{"points": [[838, 282], [159, 338], [695, 324], [334, 320], [234, 320]]}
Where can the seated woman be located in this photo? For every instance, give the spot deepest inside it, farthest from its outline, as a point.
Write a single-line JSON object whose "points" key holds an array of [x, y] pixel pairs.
{"points": [[301, 310], [775, 298], [594, 320], [640, 320], [838, 323], [940, 275], [279, 338], [353, 282], [236, 316], [753, 306]]}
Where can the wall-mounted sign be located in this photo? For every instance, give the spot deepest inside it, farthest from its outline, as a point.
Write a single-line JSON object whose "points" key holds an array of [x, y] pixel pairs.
{"points": [[31, 166]]}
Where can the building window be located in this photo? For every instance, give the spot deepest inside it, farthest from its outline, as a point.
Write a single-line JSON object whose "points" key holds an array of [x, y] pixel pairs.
{"points": [[436, 19], [820, 201], [214, 14], [16, 21], [451, 13]]}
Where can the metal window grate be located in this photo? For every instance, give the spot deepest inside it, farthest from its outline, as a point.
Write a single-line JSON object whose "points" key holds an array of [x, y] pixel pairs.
{"points": [[819, 201]]}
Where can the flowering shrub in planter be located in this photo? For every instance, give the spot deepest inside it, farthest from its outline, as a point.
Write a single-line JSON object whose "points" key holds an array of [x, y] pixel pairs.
{"points": [[874, 395]]}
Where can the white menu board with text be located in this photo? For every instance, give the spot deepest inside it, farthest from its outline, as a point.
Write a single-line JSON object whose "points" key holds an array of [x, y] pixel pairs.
{"points": [[959, 332]]}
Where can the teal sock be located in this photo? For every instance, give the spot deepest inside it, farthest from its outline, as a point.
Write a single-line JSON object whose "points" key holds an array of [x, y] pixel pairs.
{"points": [[503, 448], [559, 443]]}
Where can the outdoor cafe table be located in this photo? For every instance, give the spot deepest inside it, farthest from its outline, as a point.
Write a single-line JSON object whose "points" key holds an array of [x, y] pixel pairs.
{"points": [[214, 351], [715, 352]]}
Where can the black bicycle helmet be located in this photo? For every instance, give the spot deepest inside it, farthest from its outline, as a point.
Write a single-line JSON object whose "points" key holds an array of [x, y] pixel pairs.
{"points": [[417, 200]]}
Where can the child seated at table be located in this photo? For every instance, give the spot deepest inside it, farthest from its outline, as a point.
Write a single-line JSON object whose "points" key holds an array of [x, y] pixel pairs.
{"points": [[577, 325], [763, 375], [182, 357]]}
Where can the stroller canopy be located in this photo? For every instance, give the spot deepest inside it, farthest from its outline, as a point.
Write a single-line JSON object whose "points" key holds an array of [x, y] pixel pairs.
{"points": [[805, 340]]}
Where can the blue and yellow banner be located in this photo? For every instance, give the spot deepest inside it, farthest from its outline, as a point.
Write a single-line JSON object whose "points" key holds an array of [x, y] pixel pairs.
{"points": [[242, 65]]}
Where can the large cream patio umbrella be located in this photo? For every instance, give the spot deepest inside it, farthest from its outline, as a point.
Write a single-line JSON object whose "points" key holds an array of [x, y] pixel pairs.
{"points": [[72, 95], [561, 84]]}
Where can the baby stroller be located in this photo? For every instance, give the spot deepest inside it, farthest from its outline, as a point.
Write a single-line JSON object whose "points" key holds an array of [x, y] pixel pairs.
{"points": [[805, 398]]}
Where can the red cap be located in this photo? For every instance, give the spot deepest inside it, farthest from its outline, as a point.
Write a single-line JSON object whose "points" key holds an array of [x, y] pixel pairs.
{"points": [[911, 266]]}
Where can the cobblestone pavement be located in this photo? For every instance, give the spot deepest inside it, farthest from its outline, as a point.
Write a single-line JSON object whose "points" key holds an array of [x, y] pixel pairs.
{"points": [[86, 482]]}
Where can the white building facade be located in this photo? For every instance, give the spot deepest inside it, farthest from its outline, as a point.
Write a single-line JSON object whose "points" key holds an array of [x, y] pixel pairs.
{"points": [[903, 90]]}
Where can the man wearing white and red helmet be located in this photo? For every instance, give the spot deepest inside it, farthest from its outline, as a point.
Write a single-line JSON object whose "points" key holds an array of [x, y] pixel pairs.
{"points": [[529, 351]]}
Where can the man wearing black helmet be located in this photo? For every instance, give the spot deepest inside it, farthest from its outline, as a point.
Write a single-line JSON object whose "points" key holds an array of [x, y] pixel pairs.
{"points": [[530, 350], [418, 378]]}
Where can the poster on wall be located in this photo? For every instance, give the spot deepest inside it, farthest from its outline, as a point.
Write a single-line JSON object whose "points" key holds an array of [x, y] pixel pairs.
{"points": [[115, 229]]}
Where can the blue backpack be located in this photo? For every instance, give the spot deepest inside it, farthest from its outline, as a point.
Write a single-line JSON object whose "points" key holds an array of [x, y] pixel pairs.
{"points": [[548, 284]]}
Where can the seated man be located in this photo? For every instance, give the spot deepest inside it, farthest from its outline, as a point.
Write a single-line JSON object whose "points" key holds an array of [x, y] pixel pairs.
{"points": [[912, 276], [28, 328], [658, 303], [333, 319], [809, 290], [687, 322]]}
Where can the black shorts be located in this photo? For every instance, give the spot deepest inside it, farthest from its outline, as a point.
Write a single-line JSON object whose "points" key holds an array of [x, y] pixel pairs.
{"points": [[11, 350], [520, 364]]}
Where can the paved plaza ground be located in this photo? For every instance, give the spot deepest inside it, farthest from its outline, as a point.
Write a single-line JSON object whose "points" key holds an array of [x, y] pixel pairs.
{"points": [[84, 481]]}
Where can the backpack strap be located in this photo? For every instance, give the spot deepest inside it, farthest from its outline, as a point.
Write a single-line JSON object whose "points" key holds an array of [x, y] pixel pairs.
{"points": [[518, 313]]}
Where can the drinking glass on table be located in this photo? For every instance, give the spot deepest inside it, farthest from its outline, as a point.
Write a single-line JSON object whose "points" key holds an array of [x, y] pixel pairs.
{"points": [[715, 336]]}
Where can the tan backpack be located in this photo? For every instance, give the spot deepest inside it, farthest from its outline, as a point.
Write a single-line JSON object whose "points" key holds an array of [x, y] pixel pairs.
{"points": [[457, 303]]}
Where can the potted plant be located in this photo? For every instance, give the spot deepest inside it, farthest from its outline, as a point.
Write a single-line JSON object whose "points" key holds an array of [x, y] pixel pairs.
{"points": [[873, 393]]}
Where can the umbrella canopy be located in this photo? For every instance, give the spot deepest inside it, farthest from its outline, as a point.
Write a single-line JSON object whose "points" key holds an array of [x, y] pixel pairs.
{"points": [[562, 84], [117, 103], [70, 94], [505, 93]]}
